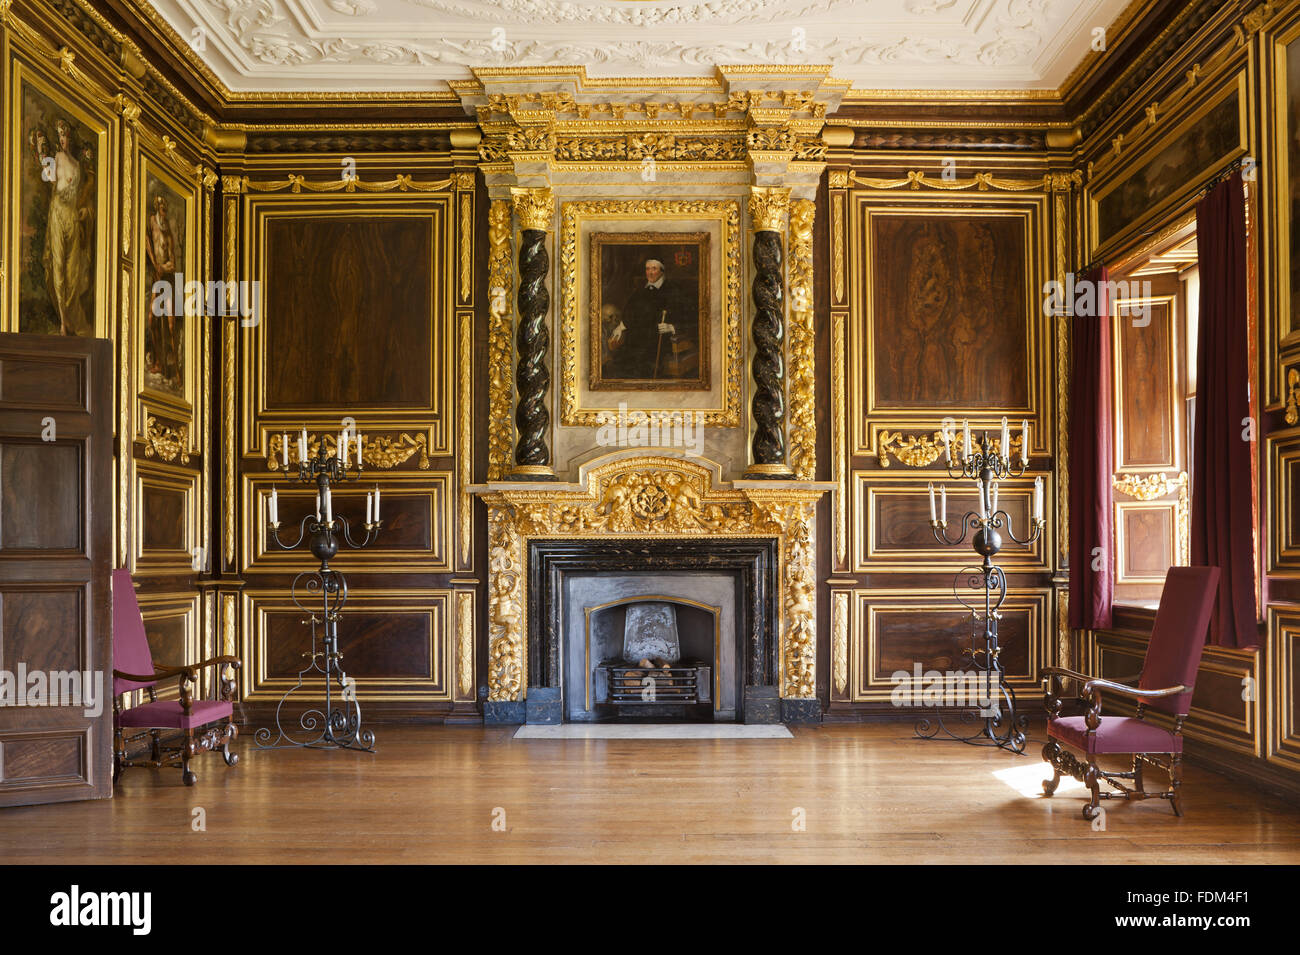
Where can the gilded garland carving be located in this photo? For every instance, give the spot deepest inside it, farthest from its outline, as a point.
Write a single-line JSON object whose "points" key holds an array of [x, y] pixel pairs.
{"points": [[981, 182], [803, 384], [505, 606], [636, 147], [465, 644], [233, 186], [922, 450], [295, 183], [465, 435], [228, 624], [1293, 396], [837, 245], [169, 444], [1148, 487], [466, 243], [571, 338], [124, 423], [500, 332], [839, 438], [840, 645], [651, 496], [377, 451]]}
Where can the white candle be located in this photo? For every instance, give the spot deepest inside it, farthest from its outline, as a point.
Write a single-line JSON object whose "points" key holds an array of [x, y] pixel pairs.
{"points": [[275, 506], [933, 516], [370, 508], [947, 441], [943, 504], [1024, 441], [340, 448], [993, 498], [1006, 442], [1038, 498], [360, 463], [329, 508], [965, 443], [302, 445], [318, 506], [376, 502], [284, 449]]}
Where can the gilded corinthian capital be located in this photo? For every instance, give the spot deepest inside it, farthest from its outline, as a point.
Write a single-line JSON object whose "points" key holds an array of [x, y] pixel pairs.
{"points": [[535, 208], [768, 206]]}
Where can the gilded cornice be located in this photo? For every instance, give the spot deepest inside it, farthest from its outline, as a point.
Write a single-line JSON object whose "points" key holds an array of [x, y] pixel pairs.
{"points": [[981, 182]]}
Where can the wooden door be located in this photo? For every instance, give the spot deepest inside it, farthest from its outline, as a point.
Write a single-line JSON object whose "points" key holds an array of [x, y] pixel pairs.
{"points": [[56, 473]]}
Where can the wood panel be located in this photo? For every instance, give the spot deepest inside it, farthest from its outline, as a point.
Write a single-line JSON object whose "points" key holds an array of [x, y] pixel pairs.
{"points": [[1284, 667], [1146, 405], [56, 526]]}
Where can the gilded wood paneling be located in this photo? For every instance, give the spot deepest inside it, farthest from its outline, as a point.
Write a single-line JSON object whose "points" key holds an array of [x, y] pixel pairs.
{"points": [[1284, 667]]}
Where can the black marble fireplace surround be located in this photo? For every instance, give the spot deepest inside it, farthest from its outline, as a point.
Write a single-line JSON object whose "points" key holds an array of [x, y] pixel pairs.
{"points": [[752, 561]]}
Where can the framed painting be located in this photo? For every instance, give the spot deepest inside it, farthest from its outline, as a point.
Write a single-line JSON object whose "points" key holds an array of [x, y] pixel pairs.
{"points": [[649, 311], [61, 174], [653, 327], [171, 299]]}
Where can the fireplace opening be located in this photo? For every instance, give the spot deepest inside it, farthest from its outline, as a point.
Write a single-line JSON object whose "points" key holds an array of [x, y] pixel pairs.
{"points": [[652, 658]]}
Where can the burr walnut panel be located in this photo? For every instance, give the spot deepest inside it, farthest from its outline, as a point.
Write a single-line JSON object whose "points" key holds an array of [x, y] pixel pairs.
{"points": [[49, 381], [348, 305], [43, 627], [46, 757]]}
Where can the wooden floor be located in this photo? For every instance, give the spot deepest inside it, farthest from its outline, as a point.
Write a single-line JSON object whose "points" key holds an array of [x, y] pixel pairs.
{"points": [[868, 794]]}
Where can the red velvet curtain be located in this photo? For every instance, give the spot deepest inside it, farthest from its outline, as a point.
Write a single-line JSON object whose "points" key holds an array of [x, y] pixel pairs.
{"points": [[1222, 444], [1092, 580]]}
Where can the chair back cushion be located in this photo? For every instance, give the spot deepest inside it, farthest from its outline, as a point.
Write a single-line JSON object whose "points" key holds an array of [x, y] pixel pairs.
{"points": [[130, 645], [1179, 635]]}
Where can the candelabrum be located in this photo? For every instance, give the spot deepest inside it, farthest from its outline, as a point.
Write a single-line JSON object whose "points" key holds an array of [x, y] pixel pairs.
{"points": [[321, 594], [982, 589]]}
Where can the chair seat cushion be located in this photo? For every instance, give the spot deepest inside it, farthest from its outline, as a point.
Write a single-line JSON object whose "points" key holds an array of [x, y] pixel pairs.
{"points": [[168, 714], [1116, 734]]}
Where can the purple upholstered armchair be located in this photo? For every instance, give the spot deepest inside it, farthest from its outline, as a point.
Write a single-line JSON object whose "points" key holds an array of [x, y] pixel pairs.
{"points": [[133, 669], [1168, 676]]}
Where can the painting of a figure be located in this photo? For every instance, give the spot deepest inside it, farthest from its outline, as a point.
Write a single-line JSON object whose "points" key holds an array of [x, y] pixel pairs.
{"points": [[649, 325], [949, 312], [164, 322], [58, 203]]}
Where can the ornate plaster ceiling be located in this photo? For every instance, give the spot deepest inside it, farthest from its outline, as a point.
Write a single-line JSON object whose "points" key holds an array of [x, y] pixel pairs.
{"points": [[407, 45]]}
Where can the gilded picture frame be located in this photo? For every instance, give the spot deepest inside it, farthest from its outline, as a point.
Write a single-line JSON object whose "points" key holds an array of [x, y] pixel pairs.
{"points": [[62, 170], [720, 404], [638, 279], [167, 238]]}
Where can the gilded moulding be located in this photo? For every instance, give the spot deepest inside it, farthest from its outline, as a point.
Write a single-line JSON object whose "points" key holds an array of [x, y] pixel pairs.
{"points": [[169, 444], [378, 451], [500, 338], [466, 242], [572, 215], [534, 208], [768, 207], [839, 437], [802, 380], [837, 245], [651, 496], [465, 440]]}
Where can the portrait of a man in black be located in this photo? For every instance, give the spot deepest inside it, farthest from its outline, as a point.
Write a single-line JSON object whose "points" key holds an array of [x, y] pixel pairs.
{"points": [[654, 325]]}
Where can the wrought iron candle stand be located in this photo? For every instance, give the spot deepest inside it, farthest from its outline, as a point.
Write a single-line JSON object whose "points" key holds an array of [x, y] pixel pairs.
{"points": [[1001, 725], [336, 727]]}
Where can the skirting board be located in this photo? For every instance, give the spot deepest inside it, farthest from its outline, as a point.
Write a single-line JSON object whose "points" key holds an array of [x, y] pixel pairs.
{"points": [[654, 731]]}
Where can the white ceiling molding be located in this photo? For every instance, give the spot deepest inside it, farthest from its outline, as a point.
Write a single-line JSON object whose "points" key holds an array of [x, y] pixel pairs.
{"points": [[416, 45]]}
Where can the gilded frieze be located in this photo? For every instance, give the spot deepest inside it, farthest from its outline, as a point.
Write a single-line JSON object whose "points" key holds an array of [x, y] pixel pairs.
{"points": [[381, 451]]}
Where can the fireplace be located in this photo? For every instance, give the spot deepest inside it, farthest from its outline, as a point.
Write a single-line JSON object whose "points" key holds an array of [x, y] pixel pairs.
{"points": [[717, 597]]}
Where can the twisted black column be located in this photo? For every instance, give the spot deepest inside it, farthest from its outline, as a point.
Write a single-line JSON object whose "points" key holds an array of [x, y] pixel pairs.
{"points": [[768, 330], [533, 373]]}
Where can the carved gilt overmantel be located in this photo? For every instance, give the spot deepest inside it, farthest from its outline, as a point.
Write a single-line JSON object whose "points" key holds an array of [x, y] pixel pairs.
{"points": [[631, 495]]}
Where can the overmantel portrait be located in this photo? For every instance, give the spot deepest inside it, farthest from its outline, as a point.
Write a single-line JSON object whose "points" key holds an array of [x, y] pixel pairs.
{"points": [[650, 316], [648, 323]]}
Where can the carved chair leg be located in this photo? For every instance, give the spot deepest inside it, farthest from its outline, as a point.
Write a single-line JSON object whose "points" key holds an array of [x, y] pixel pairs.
{"points": [[1091, 780], [231, 732], [155, 746], [1137, 773], [187, 748], [119, 752], [1176, 783], [1050, 749]]}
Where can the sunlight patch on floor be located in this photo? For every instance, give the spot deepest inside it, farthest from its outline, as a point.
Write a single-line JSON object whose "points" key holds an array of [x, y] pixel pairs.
{"points": [[1028, 780]]}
